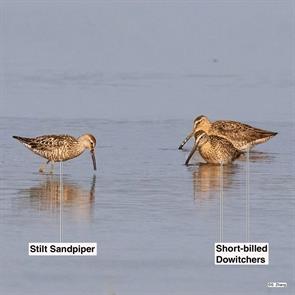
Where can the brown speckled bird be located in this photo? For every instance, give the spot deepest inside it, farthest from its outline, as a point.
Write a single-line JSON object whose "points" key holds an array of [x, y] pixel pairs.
{"points": [[59, 148], [242, 136], [213, 149]]}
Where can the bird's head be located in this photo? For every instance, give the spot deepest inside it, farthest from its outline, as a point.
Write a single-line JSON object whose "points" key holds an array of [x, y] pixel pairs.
{"points": [[201, 123], [201, 137], [88, 141]]}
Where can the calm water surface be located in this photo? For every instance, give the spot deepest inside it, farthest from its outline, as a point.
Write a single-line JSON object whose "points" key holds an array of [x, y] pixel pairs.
{"points": [[154, 219]]}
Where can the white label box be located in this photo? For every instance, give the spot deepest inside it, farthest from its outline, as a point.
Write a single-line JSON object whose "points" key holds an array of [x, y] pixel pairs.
{"points": [[62, 249], [241, 254]]}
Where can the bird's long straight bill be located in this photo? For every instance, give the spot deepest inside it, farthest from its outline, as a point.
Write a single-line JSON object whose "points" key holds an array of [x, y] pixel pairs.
{"points": [[186, 140], [93, 159], [191, 153]]}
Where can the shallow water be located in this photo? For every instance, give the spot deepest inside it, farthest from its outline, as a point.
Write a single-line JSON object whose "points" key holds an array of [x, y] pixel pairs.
{"points": [[154, 219]]}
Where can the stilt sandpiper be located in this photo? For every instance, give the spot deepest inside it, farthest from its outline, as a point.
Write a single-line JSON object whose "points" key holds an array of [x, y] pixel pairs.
{"points": [[59, 148]]}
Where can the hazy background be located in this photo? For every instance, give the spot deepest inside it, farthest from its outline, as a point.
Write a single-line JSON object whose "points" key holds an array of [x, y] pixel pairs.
{"points": [[147, 60]]}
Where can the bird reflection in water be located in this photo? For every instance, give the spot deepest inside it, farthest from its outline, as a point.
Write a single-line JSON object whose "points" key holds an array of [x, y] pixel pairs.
{"points": [[257, 156], [206, 179], [77, 200]]}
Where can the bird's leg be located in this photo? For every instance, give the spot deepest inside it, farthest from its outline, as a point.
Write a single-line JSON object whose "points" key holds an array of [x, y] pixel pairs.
{"points": [[51, 166], [42, 167]]}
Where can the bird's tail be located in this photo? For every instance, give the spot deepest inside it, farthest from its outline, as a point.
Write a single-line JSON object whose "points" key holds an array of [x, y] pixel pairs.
{"points": [[266, 133], [23, 139]]}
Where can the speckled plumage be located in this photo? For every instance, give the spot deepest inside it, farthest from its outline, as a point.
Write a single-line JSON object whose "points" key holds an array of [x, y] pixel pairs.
{"points": [[59, 148], [241, 135], [214, 149]]}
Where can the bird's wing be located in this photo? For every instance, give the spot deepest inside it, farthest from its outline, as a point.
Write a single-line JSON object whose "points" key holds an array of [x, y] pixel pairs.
{"points": [[220, 143], [217, 141], [236, 130], [51, 142]]}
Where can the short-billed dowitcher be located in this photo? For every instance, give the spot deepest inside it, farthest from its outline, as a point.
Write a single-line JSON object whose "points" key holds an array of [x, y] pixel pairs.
{"points": [[242, 136], [60, 148], [213, 149]]}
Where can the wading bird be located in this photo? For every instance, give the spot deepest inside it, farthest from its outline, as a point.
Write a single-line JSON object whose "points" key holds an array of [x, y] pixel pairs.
{"points": [[242, 136], [59, 148], [213, 149]]}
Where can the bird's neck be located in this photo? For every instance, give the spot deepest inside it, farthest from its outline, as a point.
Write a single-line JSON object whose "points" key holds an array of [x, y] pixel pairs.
{"points": [[80, 149]]}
